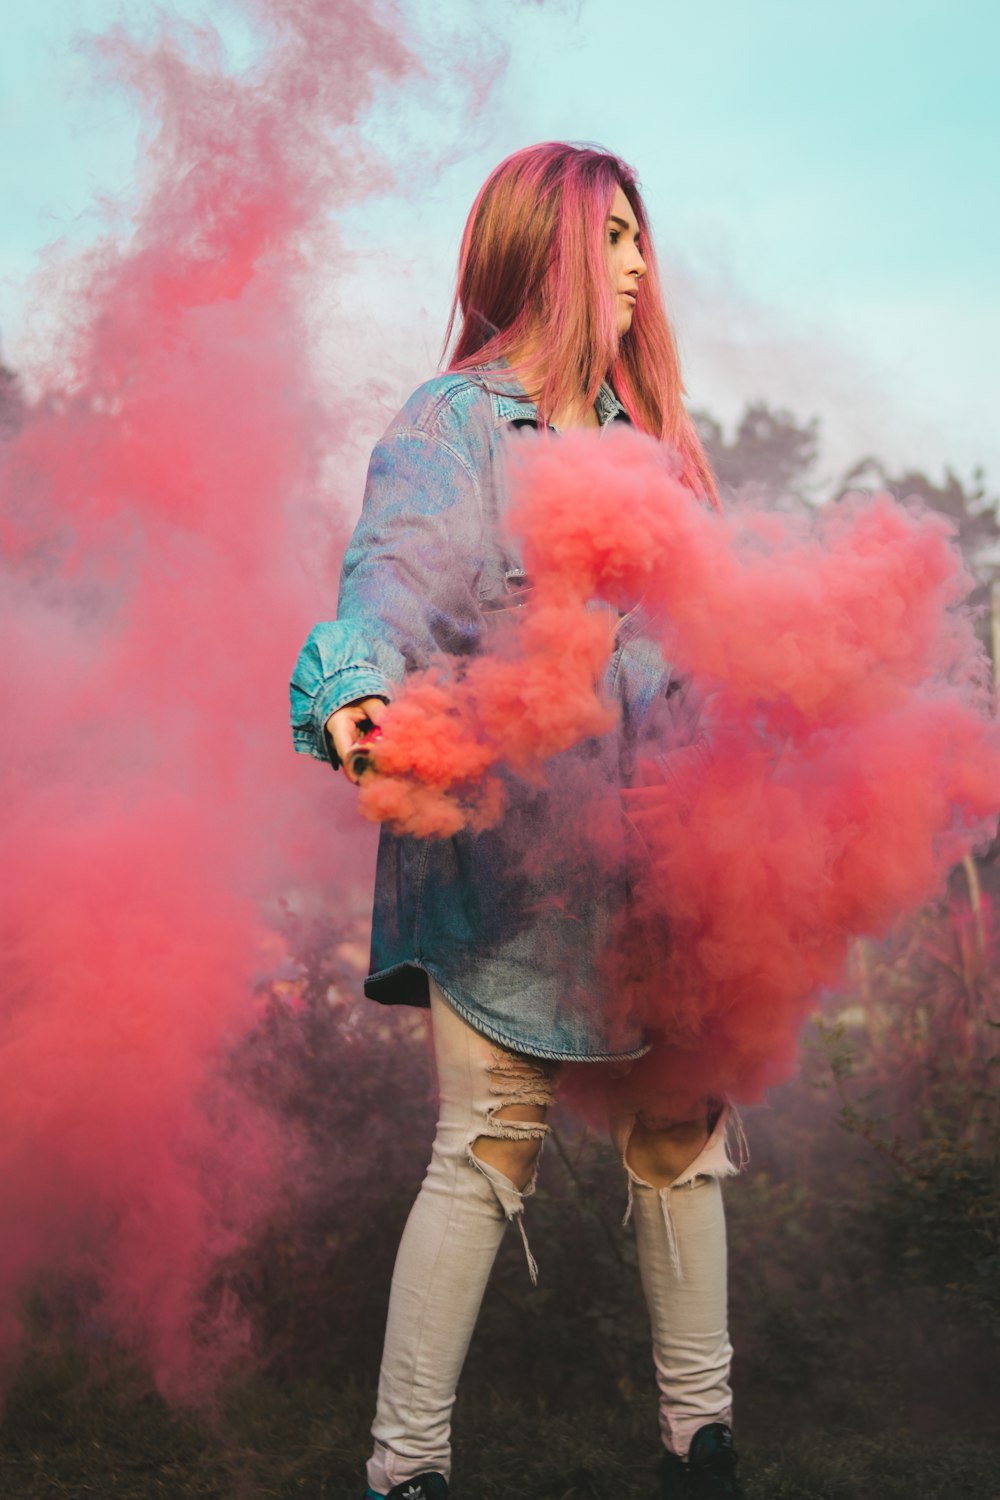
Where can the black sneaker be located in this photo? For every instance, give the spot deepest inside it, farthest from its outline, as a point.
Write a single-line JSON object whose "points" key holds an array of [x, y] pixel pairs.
{"points": [[421, 1487], [709, 1473]]}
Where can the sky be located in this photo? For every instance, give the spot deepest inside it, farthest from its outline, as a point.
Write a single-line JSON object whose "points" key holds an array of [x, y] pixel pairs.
{"points": [[821, 179]]}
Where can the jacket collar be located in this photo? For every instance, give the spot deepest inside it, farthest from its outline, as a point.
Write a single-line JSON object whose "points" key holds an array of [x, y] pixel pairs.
{"points": [[511, 404]]}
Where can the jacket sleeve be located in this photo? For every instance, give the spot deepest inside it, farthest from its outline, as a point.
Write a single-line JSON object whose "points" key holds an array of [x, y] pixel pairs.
{"points": [[408, 587]]}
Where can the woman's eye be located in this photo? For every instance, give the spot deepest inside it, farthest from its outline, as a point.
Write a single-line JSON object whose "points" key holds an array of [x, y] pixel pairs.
{"points": [[613, 236]]}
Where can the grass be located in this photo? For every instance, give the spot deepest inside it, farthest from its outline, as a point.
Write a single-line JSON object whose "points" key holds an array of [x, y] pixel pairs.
{"points": [[848, 1386], [79, 1431], [854, 1378]]}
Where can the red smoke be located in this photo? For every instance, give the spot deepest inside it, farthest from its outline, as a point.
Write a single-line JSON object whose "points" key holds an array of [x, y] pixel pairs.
{"points": [[445, 736], [845, 699], [154, 598]]}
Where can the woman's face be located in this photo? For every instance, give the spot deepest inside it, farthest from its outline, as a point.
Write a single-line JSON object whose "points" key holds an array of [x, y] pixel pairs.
{"points": [[626, 266]]}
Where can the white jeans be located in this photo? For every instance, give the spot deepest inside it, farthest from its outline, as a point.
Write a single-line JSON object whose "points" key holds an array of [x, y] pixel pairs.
{"points": [[453, 1233]]}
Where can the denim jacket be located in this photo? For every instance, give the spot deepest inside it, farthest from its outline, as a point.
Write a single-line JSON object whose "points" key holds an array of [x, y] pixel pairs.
{"points": [[513, 924]]}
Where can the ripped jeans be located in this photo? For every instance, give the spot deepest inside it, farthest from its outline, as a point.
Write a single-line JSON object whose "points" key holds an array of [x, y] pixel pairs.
{"points": [[454, 1231]]}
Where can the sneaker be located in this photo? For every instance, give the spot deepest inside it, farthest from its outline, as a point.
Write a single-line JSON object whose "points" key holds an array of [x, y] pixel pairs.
{"points": [[708, 1473], [421, 1487]]}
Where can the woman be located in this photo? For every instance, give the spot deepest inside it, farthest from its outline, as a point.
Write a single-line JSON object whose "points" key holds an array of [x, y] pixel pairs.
{"points": [[562, 326]]}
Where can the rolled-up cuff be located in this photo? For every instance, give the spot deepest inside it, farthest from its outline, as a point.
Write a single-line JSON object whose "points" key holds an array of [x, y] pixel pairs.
{"points": [[346, 686]]}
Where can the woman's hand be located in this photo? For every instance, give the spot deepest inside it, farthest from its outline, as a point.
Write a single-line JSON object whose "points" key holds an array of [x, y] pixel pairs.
{"points": [[346, 725]]}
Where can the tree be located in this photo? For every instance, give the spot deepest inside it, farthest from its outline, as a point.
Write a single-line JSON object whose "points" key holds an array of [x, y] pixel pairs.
{"points": [[12, 403], [772, 450]]}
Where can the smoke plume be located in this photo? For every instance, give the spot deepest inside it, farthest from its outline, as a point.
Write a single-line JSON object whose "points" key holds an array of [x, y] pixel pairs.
{"points": [[159, 506], [842, 758]]}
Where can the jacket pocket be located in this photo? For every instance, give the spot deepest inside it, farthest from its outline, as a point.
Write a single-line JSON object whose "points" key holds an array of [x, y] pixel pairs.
{"points": [[517, 590]]}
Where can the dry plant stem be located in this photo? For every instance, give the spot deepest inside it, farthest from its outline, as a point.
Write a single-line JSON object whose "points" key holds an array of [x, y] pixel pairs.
{"points": [[586, 1199], [976, 902], [856, 1124]]}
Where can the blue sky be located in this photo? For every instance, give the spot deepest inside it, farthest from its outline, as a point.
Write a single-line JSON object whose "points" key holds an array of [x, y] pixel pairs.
{"points": [[822, 179]]}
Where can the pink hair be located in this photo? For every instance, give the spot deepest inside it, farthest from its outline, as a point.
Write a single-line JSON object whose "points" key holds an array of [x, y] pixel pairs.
{"points": [[532, 271]]}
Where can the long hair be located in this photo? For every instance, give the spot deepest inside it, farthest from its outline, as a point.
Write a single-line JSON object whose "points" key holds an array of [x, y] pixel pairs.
{"points": [[533, 270]]}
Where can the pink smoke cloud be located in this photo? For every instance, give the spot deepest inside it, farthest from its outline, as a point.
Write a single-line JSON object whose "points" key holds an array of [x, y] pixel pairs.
{"points": [[158, 514], [846, 754]]}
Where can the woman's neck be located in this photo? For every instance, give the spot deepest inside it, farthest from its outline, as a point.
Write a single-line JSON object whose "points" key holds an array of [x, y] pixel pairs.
{"points": [[576, 412]]}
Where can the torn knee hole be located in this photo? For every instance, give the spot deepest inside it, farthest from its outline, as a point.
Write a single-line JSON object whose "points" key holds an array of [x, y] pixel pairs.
{"points": [[521, 1080], [660, 1153], [513, 1141], [651, 1124]]}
